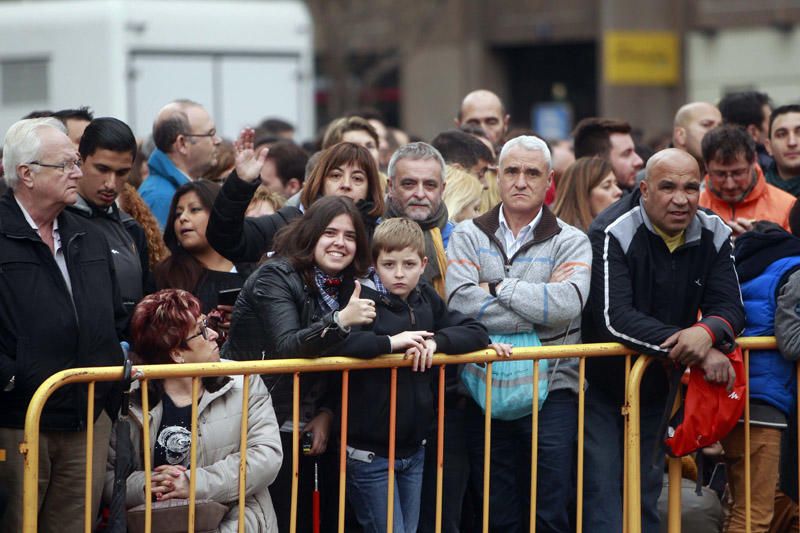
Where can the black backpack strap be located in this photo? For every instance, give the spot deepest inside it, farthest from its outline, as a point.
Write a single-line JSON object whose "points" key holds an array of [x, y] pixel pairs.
{"points": [[674, 387]]}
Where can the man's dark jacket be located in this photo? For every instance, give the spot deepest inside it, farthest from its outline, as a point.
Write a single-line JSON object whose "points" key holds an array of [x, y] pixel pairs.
{"points": [[641, 293], [41, 332]]}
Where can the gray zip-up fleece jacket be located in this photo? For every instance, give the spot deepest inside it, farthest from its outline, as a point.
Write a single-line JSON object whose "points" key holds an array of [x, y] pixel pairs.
{"points": [[526, 300]]}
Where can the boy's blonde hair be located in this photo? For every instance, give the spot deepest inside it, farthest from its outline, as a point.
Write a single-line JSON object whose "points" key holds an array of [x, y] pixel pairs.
{"points": [[395, 234]]}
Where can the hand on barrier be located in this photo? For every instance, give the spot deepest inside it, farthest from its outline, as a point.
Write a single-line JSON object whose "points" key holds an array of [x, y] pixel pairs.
{"points": [[170, 481], [248, 163], [503, 349], [423, 357], [359, 311], [718, 369], [688, 346], [320, 427], [409, 339]]}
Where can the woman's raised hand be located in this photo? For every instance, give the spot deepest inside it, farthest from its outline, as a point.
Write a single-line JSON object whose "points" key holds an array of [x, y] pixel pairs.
{"points": [[248, 163], [359, 311]]}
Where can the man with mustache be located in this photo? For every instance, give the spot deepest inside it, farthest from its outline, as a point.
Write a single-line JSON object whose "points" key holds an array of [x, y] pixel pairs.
{"points": [[107, 149], [416, 185], [658, 260]]}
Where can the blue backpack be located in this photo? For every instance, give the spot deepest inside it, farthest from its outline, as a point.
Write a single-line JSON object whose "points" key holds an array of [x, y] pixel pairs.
{"points": [[512, 381]]}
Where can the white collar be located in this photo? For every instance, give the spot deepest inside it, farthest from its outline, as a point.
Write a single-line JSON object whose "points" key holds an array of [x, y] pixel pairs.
{"points": [[29, 218], [530, 225]]}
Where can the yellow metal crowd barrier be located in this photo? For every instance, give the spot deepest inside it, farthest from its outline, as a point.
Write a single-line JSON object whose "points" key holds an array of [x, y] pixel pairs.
{"points": [[632, 500]]}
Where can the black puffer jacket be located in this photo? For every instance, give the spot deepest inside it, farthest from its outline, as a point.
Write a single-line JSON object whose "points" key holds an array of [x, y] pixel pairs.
{"points": [[235, 237], [42, 329], [278, 317], [424, 310]]}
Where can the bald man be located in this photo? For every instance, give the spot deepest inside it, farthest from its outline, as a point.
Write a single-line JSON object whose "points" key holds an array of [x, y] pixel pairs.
{"points": [[483, 108], [692, 121], [658, 259], [186, 147]]}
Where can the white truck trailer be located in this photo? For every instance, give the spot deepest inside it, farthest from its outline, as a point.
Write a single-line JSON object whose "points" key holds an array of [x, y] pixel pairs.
{"points": [[243, 60]]}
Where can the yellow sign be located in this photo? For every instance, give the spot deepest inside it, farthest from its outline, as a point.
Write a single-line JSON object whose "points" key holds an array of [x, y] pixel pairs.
{"points": [[641, 58]]}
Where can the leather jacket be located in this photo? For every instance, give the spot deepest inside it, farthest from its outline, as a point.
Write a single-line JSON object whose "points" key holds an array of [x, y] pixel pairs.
{"points": [[277, 316]]}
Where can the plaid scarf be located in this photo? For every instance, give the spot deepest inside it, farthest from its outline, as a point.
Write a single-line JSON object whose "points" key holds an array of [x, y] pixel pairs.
{"points": [[328, 288]]}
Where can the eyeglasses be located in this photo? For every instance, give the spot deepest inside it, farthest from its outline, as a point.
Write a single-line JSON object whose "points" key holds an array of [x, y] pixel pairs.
{"points": [[65, 167], [212, 133], [736, 174], [203, 331]]}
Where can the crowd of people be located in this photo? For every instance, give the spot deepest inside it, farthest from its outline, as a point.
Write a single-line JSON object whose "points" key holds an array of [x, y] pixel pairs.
{"points": [[186, 248]]}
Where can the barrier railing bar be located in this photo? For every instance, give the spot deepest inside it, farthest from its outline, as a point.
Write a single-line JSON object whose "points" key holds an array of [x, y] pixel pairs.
{"points": [[581, 414], [29, 447], [243, 448], [148, 466], [343, 447], [747, 498], [440, 451], [392, 443], [87, 510], [295, 450], [633, 479], [797, 372], [625, 449], [487, 447], [534, 444], [675, 483], [193, 454]]}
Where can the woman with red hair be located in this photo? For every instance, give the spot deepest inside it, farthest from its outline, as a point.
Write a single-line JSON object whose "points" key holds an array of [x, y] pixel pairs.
{"points": [[168, 327]]}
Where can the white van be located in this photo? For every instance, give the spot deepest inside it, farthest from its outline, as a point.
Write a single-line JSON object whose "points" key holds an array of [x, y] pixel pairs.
{"points": [[242, 60]]}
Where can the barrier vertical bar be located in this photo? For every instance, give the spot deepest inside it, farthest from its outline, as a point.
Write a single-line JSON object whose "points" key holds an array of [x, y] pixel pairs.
{"points": [[534, 443], [581, 414], [193, 454], [243, 448], [674, 499], [87, 510], [343, 448], [392, 443], [440, 451], [487, 447], [797, 371], [625, 450], [747, 498], [633, 413], [148, 466], [295, 450]]}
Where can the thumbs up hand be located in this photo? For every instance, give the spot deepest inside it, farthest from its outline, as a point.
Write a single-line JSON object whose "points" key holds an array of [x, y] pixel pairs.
{"points": [[359, 311]]}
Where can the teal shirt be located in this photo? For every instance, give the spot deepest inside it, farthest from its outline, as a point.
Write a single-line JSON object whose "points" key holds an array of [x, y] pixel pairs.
{"points": [[792, 186]]}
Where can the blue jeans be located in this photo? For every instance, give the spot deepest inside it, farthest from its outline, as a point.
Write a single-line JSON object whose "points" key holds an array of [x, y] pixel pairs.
{"points": [[602, 502], [368, 491], [509, 478]]}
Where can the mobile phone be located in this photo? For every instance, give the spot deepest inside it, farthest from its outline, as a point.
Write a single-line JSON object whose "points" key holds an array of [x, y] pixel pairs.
{"points": [[228, 296]]}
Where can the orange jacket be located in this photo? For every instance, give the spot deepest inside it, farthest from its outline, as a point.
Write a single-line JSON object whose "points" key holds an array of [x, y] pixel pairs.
{"points": [[764, 202]]}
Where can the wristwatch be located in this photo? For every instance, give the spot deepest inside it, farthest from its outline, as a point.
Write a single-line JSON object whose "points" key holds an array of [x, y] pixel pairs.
{"points": [[10, 385]]}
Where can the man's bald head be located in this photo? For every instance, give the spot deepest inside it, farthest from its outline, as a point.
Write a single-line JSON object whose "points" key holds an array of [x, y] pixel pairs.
{"points": [[184, 131], [671, 190], [692, 122], [483, 108], [671, 159]]}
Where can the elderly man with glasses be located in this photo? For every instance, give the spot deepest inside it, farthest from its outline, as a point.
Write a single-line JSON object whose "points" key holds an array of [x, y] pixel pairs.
{"points": [[186, 147], [59, 309]]}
